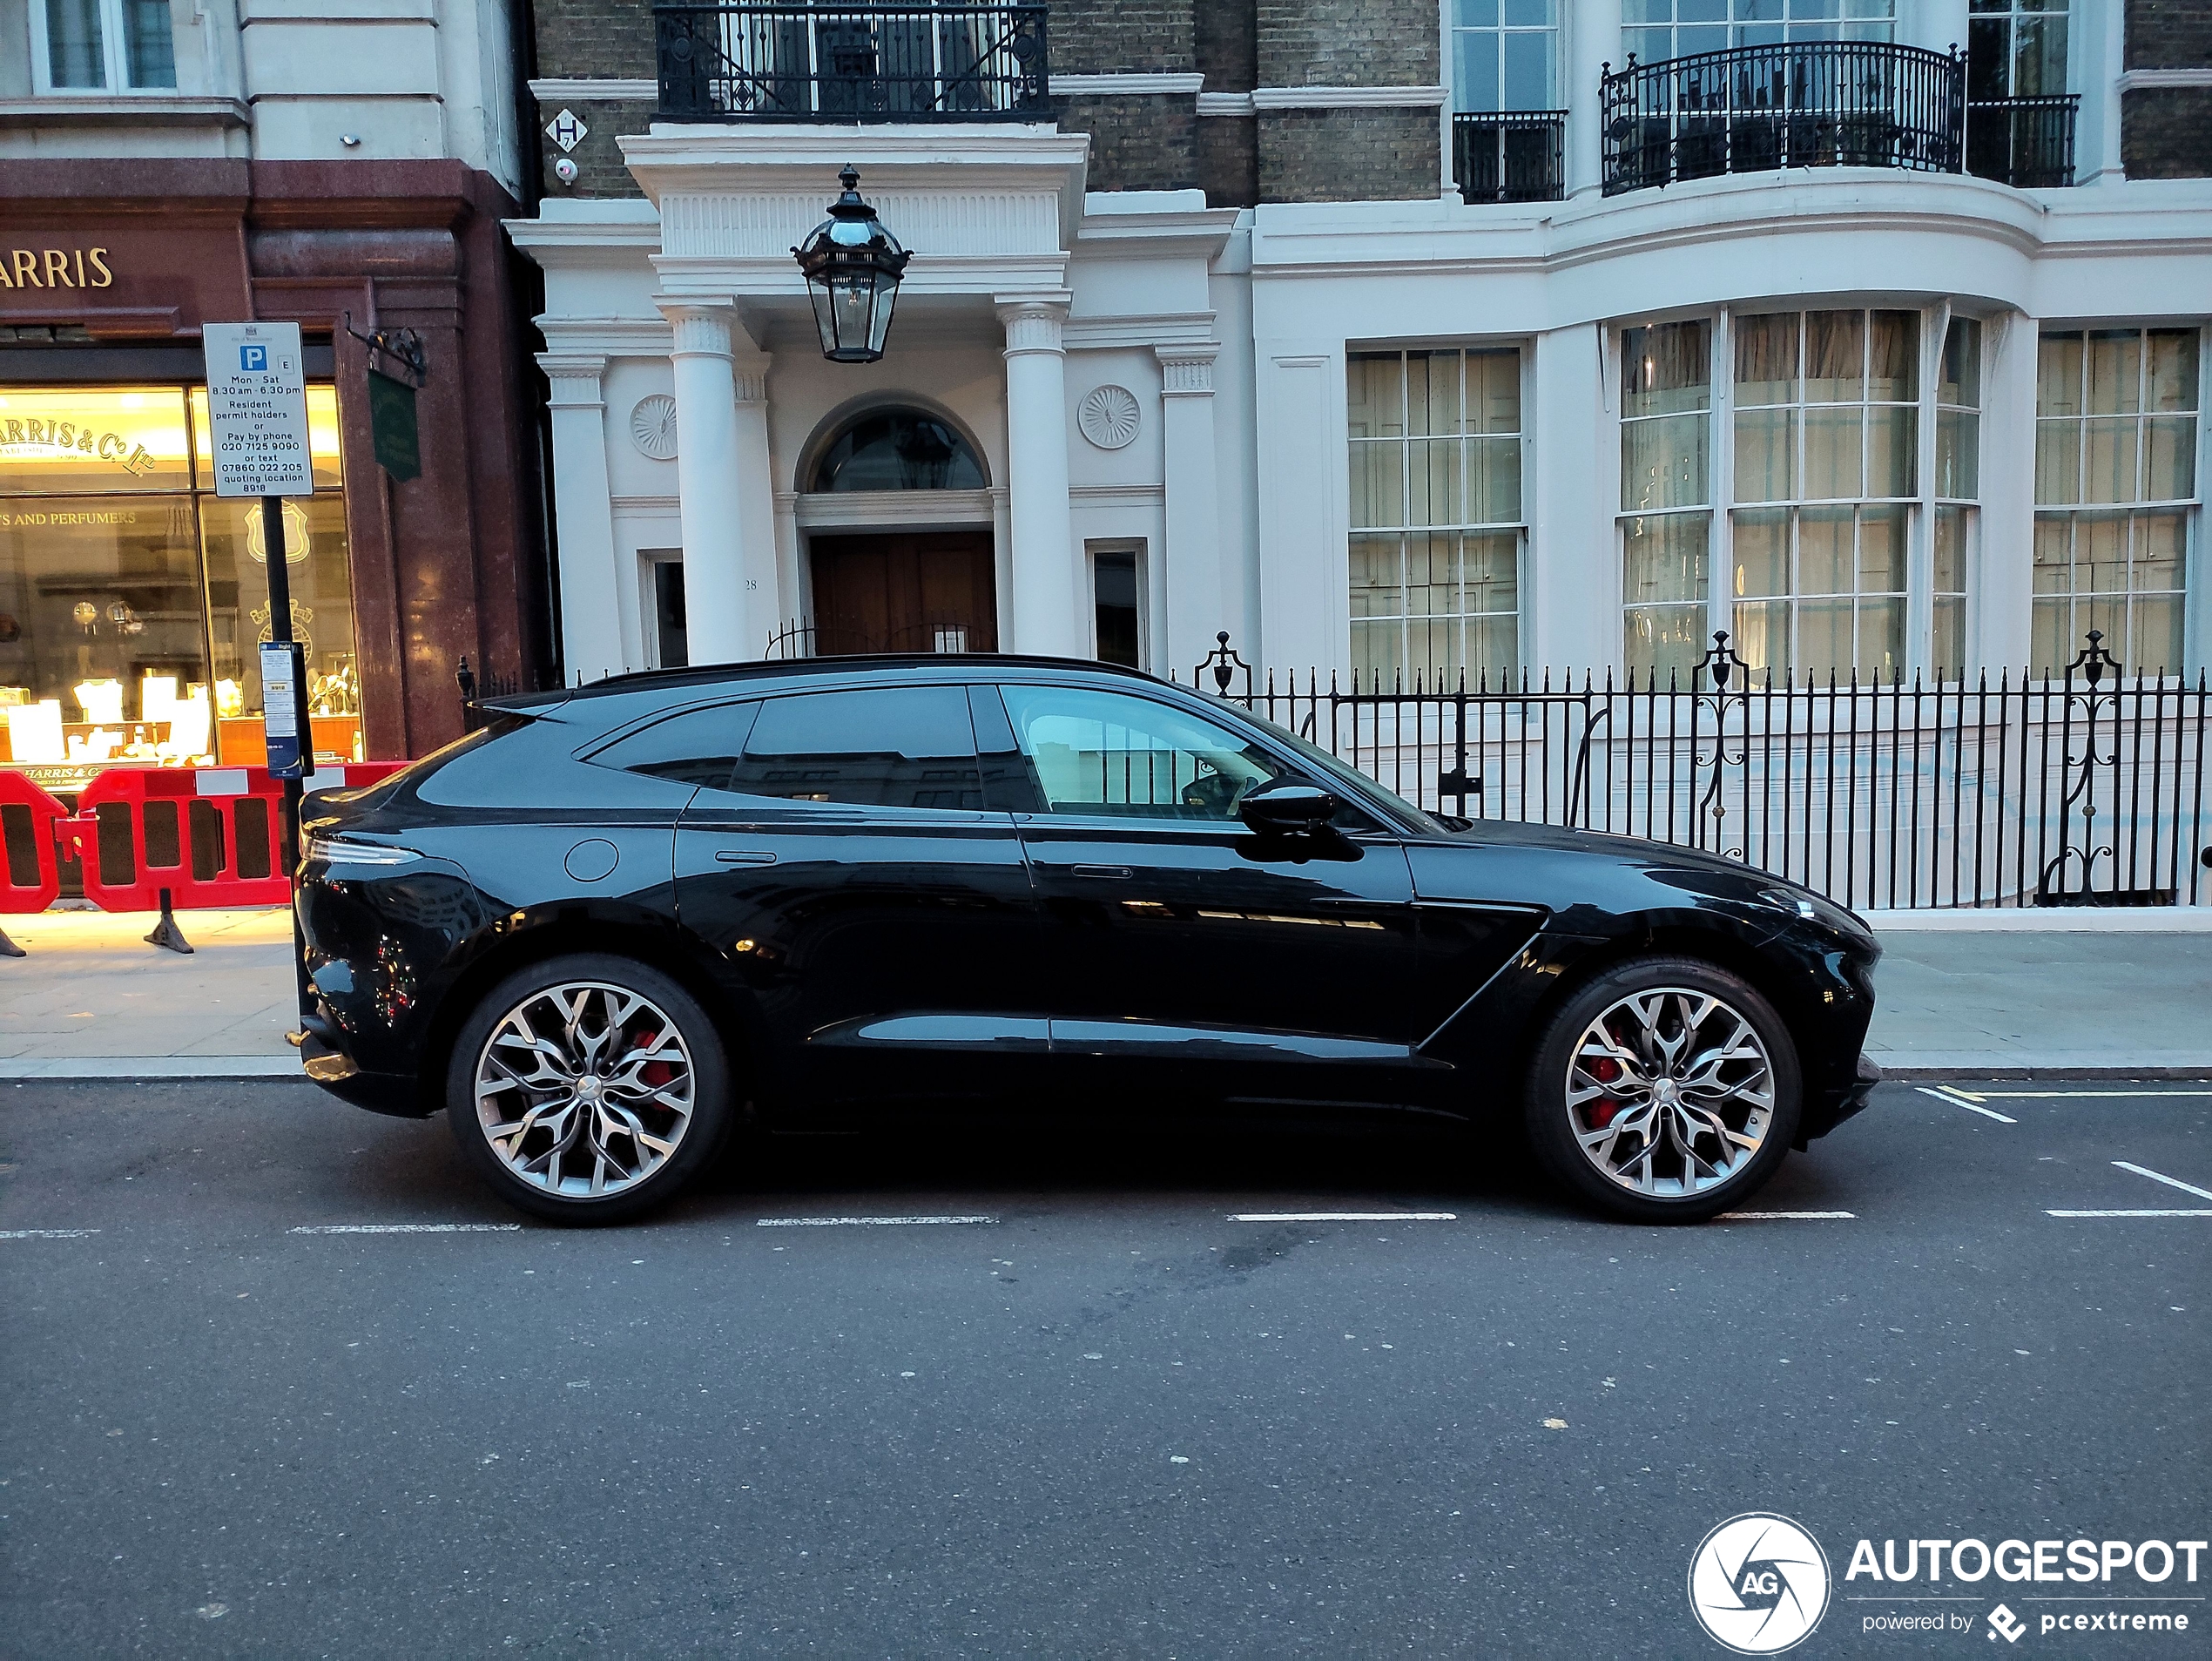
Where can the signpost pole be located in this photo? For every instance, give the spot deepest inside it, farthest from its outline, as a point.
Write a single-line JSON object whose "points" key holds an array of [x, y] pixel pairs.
{"points": [[280, 635]]}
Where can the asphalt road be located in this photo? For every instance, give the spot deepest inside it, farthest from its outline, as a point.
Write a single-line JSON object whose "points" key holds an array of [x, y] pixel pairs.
{"points": [[1109, 1421]]}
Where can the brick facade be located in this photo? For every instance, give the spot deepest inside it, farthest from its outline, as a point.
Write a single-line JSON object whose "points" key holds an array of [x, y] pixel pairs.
{"points": [[1138, 142], [2169, 34], [600, 171], [1348, 155], [1138, 36], [1348, 42], [2166, 132]]}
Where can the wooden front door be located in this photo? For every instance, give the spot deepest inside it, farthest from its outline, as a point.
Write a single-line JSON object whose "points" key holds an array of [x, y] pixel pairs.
{"points": [[905, 591]]}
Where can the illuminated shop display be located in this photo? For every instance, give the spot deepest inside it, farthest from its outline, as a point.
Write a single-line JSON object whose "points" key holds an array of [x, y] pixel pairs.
{"points": [[132, 597]]}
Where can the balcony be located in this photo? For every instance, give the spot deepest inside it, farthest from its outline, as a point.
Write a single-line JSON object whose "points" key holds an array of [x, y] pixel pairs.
{"points": [[851, 63], [2026, 143], [1753, 109], [1518, 157]]}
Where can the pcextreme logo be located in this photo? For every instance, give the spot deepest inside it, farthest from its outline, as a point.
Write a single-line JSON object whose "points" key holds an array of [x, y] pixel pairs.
{"points": [[1759, 1583]]}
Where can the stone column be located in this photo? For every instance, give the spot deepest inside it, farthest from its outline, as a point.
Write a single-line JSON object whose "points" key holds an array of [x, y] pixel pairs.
{"points": [[1593, 40], [1196, 601], [710, 475], [1045, 619], [591, 634], [756, 504]]}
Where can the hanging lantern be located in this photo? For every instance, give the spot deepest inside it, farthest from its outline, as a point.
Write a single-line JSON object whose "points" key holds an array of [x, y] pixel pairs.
{"points": [[852, 267]]}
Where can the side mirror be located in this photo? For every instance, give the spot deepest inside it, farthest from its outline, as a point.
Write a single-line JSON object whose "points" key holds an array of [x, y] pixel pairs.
{"points": [[1288, 809]]}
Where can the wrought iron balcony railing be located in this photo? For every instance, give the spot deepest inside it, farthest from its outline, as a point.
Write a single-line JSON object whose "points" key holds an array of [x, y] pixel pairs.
{"points": [[2027, 143], [1509, 157], [1811, 103], [799, 63]]}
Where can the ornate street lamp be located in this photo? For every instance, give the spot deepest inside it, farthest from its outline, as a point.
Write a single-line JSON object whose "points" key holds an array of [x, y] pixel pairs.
{"points": [[852, 267]]}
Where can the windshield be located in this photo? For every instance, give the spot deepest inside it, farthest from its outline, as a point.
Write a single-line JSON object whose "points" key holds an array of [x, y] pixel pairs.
{"points": [[1424, 824]]}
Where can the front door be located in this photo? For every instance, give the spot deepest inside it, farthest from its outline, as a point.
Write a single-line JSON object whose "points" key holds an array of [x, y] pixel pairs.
{"points": [[1183, 951], [933, 591]]}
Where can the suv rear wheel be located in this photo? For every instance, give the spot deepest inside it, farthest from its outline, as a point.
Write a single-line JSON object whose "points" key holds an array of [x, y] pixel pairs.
{"points": [[588, 1087], [1666, 1091]]}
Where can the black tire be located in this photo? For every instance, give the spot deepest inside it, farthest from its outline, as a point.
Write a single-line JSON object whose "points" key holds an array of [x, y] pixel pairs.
{"points": [[553, 1195], [1675, 1194]]}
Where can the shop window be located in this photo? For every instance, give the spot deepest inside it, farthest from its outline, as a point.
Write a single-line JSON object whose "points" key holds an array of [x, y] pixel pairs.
{"points": [[103, 45], [131, 597], [2116, 492], [1666, 492], [1437, 524]]}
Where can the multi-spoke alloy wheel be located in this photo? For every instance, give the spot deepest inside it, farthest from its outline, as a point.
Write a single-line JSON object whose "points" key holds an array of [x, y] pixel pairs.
{"points": [[588, 1087], [584, 1089], [1666, 1089], [1671, 1092]]}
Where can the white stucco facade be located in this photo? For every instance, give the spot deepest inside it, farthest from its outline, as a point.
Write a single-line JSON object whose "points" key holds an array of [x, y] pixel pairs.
{"points": [[1233, 331]]}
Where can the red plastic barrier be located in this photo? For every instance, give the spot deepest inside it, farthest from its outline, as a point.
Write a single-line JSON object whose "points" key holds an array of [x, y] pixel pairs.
{"points": [[30, 863], [209, 835]]}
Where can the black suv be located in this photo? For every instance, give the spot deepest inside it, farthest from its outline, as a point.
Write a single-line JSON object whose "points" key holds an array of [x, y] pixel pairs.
{"points": [[618, 921]]}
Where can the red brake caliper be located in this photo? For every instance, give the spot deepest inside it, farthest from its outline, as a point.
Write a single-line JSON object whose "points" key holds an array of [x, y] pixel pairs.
{"points": [[653, 1074], [1605, 1069]]}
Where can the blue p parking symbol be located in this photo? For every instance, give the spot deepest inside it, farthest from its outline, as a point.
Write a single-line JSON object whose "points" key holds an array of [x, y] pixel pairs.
{"points": [[253, 357]]}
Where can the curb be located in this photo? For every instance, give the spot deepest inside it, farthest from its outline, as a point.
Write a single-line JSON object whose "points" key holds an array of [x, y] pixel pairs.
{"points": [[89, 1069]]}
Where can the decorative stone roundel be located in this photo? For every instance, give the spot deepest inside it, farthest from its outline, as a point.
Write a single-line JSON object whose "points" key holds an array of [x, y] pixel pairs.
{"points": [[1109, 416], [652, 427]]}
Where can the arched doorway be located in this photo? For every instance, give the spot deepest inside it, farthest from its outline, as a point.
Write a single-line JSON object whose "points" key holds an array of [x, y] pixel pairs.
{"points": [[926, 590]]}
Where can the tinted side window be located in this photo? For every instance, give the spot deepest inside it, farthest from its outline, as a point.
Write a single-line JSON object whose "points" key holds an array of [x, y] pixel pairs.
{"points": [[911, 746], [700, 747], [1107, 753]]}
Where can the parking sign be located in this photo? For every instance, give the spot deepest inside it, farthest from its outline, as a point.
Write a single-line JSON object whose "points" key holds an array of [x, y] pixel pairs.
{"points": [[257, 410]]}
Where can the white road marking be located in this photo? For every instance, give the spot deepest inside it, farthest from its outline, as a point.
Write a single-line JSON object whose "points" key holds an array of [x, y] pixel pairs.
{"points": [[2072, 1095], [1343, 1217], [861, 1222], [407, 1228], [2171, 1182], [2130, 1213], [1942, 1095], [1786, 1217], [46, 1233]]}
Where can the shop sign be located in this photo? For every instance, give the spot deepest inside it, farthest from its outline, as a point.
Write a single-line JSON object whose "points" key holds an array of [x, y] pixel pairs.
{"points": [[25, 436], [257, 410], [391, 422], [55, 268]]}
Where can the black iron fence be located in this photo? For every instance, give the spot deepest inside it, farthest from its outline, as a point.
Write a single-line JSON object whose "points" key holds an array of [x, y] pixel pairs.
{"points": [[2078, 788], [2028, 142], [829, 62], [1516, 157], [1810, 104]]}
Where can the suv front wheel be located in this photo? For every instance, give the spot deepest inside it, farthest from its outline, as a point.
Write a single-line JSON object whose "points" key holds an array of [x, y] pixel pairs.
{"points": [[588, 1087], [1666, 1091]]}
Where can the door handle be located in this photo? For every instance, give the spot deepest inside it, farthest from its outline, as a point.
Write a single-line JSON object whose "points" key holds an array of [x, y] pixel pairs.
{"points": [[743, 856], [1115, 872]]}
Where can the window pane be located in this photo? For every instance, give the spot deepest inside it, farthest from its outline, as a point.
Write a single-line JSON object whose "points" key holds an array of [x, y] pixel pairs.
{"points": [[912, 748], [2173, 368], [1893, 450], [1666, 367], [2053, 643], [1761, 552], [700, 747], [1950, 642], [1766, 445], [2057, 376], [1378, 585], [1432, 468], [1893, 357], [1835, 357], [76, 56], [1664, 558], [238, 617], [2039, 57], [1950, 563], [1374, 391], [1477, 68], [1494, 392], [105, 602], [99, 441], [2158, 552], [1114, 606], [2053, 553], [1961, 381], [1959, 453], [2100, 554], [1832, 441], [1766, 358], [1378, 483], [2058, 460], [1493, 481], [2169, 459], [2115, 360], [1663, 462], [1491, 572], [1824, 550], [1881, 638], [1823, 638], [2108, 461], [1532, 14], [1664, 640], [2154, 642], [1762, 637], [1107, 753], [1432, 393], [146, 42], [1530, 70], [1881, 551]]}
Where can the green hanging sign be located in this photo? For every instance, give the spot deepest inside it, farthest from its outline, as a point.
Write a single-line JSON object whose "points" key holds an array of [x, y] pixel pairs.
{"points": [[391, 422]]}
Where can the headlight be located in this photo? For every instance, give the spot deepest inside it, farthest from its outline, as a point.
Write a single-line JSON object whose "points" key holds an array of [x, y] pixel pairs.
{"points": [[1813, 908], [340, 850]]}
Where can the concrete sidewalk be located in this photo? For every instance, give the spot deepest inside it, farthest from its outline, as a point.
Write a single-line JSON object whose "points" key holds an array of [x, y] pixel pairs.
{"points": [[1980, 993]]}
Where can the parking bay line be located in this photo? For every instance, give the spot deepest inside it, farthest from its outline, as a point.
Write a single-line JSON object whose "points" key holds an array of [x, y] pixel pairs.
{"points": [[1966, 1096], [2171, 1182], [1343, 1217], [2145, 1171], [1786, 1216], [46, 1233], [862, 1222], [1957, 1100], [407, 1228]]}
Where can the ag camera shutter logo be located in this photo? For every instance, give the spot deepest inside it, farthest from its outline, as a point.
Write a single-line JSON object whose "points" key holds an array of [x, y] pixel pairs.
{"points": [[1759, 1583]]}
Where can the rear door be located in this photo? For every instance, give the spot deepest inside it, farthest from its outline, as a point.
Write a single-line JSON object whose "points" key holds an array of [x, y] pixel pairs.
{"points": [[878, 916]]}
